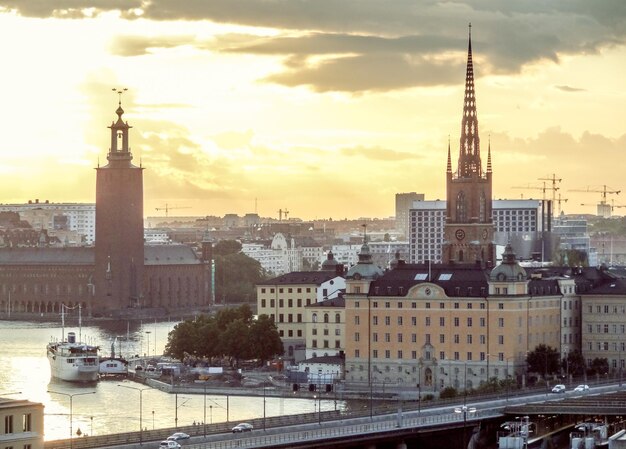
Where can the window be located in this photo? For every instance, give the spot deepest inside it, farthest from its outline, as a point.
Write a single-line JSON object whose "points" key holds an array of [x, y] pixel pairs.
{"points": [[442, 338], [387, 321], [399, 338], [469, 339], [387, 354], [357, 336], [326, 319], [456, 338], [263, 302], [387, 337], [8, 424], [469, 322], [442, 321], [500, 322], [375, 320], [456, 321], [400, 354], [500, 339], [337, 318], [314, 343], [314, 331], [414, 321], [399, 321], [357, 320], [375, 337]]}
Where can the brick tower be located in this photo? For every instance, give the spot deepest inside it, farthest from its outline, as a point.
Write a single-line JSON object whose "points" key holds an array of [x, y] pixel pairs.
{"points": [[468, 233], [119, 246]]}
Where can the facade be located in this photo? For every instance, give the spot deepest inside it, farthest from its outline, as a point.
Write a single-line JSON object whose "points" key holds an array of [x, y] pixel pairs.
{"points": [[383, 253], [23, 424], [285, 298], [77, 218], [446, 325], [468, 231], [515, 221], [325, 328], [404, 201]]}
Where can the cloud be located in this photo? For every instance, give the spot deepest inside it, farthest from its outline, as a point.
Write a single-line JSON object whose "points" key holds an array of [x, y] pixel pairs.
{"points": [[364, 35], [377, 153], [570, 89]]}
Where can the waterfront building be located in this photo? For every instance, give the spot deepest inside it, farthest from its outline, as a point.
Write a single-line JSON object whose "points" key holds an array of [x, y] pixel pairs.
{"points": [[285, 298], [23, 424], [119, 276], [325, 328]]}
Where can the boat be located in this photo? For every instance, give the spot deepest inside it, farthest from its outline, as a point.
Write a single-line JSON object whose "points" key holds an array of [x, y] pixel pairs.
{"points": [[72, 360], [113, 366]]}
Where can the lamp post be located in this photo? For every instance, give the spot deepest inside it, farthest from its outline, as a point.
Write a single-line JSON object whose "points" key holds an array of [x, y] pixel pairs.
{"points": [[204, 420], [152, 419], [176, 410], [71, 396], [140, 390], [91, 418], [148, 350], [263, 407], [211, 414], [508, 383], [465, 410]]}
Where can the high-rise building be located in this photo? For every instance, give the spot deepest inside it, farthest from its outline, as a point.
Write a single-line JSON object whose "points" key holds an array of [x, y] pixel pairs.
{"points": [[404, 201]]}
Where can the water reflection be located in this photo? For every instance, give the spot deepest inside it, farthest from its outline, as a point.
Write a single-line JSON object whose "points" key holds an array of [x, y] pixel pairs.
{"points": [[113, 409]]}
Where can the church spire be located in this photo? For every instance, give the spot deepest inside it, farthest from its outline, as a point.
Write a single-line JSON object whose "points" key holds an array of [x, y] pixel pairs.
{"points": [[469, 155], [449, 168], [489, 156]]}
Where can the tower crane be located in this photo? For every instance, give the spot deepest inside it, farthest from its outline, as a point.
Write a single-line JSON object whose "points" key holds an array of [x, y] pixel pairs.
{"points": [[168, 208], [282, 212], [543, 189], [554, 188], [603, 207]]}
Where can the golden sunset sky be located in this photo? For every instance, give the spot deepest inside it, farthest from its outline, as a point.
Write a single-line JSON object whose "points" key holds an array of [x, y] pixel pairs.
{"points": [[324, 107]]}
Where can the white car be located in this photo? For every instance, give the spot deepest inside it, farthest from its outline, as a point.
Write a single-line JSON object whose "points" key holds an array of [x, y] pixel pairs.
{"points": [[178, 436], [169, 444], [560, 388], [581, 388], [243, 427]]}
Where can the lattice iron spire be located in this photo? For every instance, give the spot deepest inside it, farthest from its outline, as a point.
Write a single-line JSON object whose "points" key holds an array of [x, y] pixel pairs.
{"points": [[449, 168], [489, 156], [469, 154]]}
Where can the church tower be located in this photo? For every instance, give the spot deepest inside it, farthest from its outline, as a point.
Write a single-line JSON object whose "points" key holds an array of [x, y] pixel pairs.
{"points": [[119, 247], [468, 233]]}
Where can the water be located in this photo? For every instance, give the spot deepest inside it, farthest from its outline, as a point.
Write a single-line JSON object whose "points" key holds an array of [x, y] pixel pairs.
{"points": [[111, 408]]}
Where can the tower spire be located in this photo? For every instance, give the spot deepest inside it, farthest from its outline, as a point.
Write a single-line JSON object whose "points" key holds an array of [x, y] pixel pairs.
{"points": [[489, 156], [449, 168], [469, 154]]}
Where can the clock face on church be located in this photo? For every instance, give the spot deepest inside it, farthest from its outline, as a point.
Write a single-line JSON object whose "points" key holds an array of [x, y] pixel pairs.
{"points": [[459, 234]]}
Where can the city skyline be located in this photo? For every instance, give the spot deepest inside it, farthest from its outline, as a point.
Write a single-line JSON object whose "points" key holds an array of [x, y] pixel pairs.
{"points": [[326, 109]]}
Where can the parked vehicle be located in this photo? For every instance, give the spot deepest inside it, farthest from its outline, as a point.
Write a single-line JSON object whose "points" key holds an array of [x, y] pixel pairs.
{"points": [[242, 427], [559, 388], [581, 388], [169, 444]]}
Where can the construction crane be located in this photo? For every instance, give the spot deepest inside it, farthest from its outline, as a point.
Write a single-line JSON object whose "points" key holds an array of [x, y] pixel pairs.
{"points": [[603, 207], [559, 201], [168, 208], [532, 187], [282, 212], [554, 188]]}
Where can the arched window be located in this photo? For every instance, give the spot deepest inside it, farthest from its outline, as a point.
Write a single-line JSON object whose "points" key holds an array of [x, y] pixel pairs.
{"points": [[315, 317], [326, 319], [460, 256], [461, 208], [337, 318]]}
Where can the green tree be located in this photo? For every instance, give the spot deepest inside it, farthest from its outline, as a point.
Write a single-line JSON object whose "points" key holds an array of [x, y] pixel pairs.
{"points": [[544, 359], [182, 339], [574, 363], [599, 366], [236, 342], [267, 343], [236, 274]]}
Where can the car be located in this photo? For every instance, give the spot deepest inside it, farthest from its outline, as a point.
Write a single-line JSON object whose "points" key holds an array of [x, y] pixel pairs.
{"points": [[169, 444], [178, 436], [560, 388], [243, 427], [581, 388]]}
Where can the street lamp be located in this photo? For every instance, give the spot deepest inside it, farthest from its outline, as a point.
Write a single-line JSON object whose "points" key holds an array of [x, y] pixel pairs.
{"points": [[140, 390], [465, 410], [176, 410], [263, 407], [152, 419], [148, 350], [71, 396]]}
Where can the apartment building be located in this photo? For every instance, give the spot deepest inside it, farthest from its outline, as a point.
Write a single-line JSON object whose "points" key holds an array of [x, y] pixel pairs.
{"points": [[325, 328], [23, 424], [285, 298]]}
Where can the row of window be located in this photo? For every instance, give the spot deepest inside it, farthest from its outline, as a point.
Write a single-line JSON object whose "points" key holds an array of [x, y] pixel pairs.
{"points": [[605, 328], [469, 356], [607, 346], [281, 302], [27, 423], [607, 309], [325, 344], [289, 290]]}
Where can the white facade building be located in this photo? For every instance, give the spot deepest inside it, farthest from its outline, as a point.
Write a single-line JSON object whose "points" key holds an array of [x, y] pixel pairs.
{"points": [[347, 255], [78, 217], [512, 219]]}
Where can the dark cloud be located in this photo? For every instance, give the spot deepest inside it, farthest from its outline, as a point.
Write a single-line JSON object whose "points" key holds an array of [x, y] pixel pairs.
{"points": [[570, 89], [506, 35]]}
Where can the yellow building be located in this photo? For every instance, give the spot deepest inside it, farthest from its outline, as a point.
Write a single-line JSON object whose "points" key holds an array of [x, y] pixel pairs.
{"points": [[22, 424], [434, 326]]}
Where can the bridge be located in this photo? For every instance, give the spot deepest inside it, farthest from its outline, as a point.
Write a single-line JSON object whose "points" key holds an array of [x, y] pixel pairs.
{"points": [[389, 429]]}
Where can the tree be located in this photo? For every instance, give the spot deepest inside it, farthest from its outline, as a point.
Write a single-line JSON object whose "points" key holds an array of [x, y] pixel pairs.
{"points": [[599, 366], [267, 343], [236, 274], [182, 339], [544, 359], [574, 363]]}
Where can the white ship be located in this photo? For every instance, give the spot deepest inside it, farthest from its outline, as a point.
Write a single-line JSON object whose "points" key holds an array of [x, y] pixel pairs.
{"points": [[72, 360]]}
